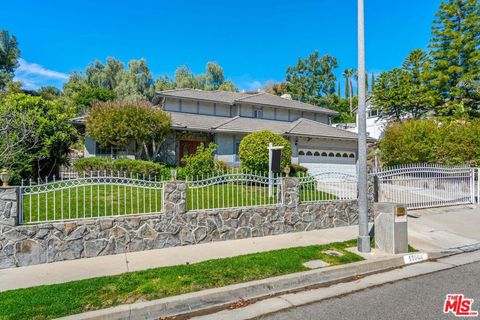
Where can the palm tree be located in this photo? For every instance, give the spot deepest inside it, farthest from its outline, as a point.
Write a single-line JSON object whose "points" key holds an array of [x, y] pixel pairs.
{"points": [[348, 74], [8, 57]]}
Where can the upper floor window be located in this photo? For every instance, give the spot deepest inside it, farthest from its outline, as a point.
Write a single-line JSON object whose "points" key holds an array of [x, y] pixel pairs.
{"points": [[257, 113], [373, 113]]}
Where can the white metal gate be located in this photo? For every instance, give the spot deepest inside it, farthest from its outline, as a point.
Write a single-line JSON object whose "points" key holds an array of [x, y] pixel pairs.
{"points": [[425, 186]]}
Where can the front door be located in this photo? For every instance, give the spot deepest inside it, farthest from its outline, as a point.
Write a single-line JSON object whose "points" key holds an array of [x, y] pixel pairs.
{"points": [[187, 147]]}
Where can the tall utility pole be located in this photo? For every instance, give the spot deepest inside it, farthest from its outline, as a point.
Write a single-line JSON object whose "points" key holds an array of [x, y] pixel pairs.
{"points": [[363, 237]]}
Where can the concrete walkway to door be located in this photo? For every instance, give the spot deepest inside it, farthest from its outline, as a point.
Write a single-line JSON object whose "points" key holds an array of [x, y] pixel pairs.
{"points": [[429, 230]]}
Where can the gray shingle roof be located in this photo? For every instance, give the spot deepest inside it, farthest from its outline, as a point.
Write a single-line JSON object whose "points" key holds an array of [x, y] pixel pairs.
{"points": [[196, 121], [309, 127], [264, 98], [231, 98], [227, 97], [300, 127]]}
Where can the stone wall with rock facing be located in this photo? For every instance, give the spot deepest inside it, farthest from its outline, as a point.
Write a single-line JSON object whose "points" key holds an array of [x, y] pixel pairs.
{"points": [[23, 245]]}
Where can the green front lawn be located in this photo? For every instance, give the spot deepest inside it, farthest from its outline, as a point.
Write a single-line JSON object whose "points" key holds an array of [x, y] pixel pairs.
{"points": [[106, 200], [52, 301], [234, 195], [91, 201]]}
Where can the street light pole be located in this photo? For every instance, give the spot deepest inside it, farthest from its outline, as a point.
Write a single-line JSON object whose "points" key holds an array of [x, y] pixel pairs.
{"points": [[363, 237]]}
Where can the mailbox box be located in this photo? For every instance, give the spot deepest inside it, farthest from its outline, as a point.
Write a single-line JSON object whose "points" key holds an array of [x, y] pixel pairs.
{"points": [[391, 231]]}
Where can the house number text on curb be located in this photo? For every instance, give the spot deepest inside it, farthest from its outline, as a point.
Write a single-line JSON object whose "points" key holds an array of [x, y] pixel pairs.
{"points": [[415, 257]]}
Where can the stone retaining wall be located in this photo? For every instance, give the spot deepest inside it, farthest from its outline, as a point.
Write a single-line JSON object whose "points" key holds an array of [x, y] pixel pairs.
{"points": [[50, 242]]}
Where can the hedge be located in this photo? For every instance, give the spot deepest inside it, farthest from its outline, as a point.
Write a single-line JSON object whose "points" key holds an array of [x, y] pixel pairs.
{"points": [[128, 166], [431, 141]]}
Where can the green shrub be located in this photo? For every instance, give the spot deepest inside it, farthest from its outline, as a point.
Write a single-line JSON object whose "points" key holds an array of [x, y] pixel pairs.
{"points": [[413, 141], [92, 164], [202, 163], [253, 150], [221, 166], [297, 170], [428, 141], [128, 166]]}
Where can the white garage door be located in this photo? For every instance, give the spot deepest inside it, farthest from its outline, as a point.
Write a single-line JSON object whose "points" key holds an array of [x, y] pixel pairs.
{"points": [[319, 161]]}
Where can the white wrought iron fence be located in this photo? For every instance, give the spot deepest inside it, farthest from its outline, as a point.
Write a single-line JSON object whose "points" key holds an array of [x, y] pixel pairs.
{"points": [[231, 190], [427, 185], [327, 186], [92, 195]]}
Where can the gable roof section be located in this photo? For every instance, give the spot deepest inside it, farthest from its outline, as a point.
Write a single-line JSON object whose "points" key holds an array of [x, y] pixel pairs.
{"points": [[216, 124], [256, 98], [226, 97], [264, 98], [305, 127], [193, 121], [300, 127]]}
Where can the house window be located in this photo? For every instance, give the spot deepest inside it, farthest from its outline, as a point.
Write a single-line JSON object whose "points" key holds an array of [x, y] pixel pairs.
{"points": [[301, 153], [110, 151], [324, 154], [309, 153], [236, 147], [373, 113], [257, 113]]}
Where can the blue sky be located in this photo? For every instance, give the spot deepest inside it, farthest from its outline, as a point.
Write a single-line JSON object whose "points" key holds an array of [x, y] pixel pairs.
{"points": [[253, 40]]}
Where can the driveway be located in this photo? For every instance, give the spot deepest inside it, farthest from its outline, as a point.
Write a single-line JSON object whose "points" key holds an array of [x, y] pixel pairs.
{"points": [[444, 228]]}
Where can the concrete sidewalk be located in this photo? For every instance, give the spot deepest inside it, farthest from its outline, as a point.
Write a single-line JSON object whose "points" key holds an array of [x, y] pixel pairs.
{"points": [[429, 230]]}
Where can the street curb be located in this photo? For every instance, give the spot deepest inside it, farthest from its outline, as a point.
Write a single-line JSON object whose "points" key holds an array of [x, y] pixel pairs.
{"points": [[213, 300]]}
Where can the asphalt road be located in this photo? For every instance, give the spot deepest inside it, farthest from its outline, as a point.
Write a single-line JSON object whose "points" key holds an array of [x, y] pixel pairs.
{"points": [[416, 298]]}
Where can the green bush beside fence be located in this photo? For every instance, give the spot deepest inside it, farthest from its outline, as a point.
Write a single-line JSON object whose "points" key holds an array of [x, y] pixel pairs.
{"points": [[128, 166]]}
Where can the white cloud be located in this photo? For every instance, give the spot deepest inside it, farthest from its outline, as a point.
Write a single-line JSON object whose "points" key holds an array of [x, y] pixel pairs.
{"points": [[253, 85], [33, 75]]}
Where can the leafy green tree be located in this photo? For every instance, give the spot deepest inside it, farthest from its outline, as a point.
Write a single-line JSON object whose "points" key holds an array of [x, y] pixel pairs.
{"points": [[35, 135], [9, 54], [406, 92], [253, 150], [164, 83], [184, 78], [49, 93], [118, 123], [228, 86], [135, 83], [342, 106], [81, 95], [312, 78], [422, 97], [391, 94], [105, 76], [275, 88], [214, 76], [455, 52]]}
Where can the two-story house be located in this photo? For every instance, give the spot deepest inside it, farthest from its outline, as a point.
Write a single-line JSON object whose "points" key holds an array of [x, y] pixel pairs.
{"points": [[226, 117]]}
